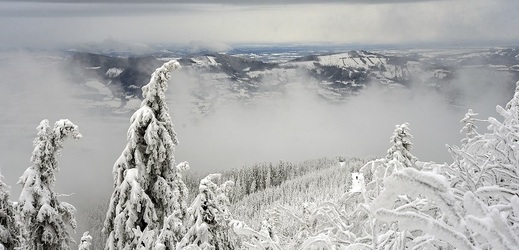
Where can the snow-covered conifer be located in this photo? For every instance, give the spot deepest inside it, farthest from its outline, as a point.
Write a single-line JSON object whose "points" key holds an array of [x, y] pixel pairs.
{"points": [[44, 218], [148, 188], [209, 218], [86, 241], [9, 227], [401, 146], [398, 157]]}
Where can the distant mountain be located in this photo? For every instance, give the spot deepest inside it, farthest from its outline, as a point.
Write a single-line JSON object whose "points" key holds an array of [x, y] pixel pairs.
{"points": [[332, 76], [123, 75]]}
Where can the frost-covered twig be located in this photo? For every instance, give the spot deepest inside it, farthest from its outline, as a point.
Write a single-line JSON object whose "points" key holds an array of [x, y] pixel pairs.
{"points": [[414, 221]]}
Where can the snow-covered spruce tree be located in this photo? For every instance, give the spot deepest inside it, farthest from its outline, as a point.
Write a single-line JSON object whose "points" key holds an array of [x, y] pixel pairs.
{"points": [[9, 226], [401, 146], [209, 218], [398, 157], [86, 241], [44, 218], [148, 188]]}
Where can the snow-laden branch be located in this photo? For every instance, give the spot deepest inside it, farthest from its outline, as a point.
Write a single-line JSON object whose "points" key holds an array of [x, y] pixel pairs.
{"points": [[413, 182], [414, 221]]}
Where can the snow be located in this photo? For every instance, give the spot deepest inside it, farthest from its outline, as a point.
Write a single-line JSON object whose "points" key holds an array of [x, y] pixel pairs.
{"points": [[357, 184], [131, 176], [346, 60], [204, 61], [86, 241], [412, 221], [114, 72]]}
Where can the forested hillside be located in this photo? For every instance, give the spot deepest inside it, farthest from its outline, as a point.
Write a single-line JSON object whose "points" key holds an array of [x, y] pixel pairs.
{"points": [[326, 180], [264, 175]]}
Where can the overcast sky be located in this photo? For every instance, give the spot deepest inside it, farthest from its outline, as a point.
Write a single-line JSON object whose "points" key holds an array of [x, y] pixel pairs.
{"points": [[50, 24]]}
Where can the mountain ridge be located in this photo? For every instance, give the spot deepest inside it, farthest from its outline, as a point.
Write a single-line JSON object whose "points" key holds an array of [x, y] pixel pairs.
{"points": [[331, 76]]}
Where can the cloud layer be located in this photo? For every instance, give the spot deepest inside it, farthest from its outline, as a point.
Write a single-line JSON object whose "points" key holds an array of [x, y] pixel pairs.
{"points": [[443, 23], [299, 125], [237, 2]]}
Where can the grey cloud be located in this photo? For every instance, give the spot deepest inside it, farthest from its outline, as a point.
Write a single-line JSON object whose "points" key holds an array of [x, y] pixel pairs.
{"points": [[298, 125], [60, 24], [80, 8], [237, 2], [83, 9]]}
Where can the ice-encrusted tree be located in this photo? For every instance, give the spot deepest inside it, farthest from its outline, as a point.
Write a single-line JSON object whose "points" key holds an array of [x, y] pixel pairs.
{"points": [[398, 157], [44, 218], [208, 217], [148, 189], [401, 145], [9, 226], [86, 241]]}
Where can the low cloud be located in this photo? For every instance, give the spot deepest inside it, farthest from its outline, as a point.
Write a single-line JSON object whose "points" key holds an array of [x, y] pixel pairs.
{"points": [[299, 125], [212, 46]]}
